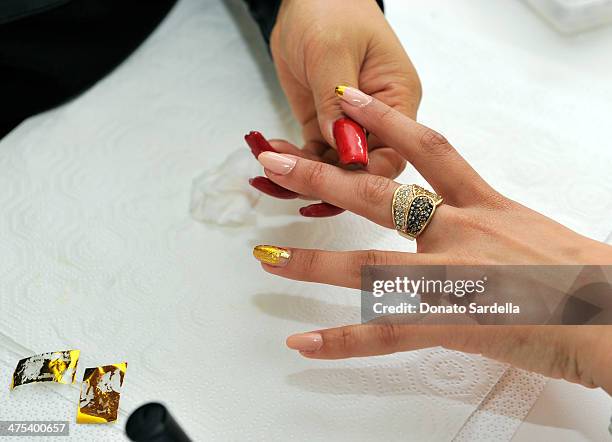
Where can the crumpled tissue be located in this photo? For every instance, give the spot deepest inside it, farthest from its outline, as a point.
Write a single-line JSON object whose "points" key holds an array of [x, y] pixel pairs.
{"points": [[222, 195]]}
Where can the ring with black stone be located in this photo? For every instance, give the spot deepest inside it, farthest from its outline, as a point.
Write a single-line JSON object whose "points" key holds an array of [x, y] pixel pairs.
{"points": [[412, 209]]}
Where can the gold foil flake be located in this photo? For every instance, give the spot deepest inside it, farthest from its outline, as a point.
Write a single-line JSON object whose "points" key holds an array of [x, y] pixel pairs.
{"points": [[59, 366], [340, 90], [100, 394]]}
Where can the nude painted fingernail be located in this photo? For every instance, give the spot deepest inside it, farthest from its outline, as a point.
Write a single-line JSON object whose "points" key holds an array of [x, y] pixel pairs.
{"points": [[353, 96], [305, 342], [272, 255], [277, 162]]}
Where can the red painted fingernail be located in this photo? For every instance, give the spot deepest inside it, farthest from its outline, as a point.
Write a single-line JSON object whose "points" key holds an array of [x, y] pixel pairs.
{"points": [[320, 210], [351, 142], [268, 187], [258, 143]]}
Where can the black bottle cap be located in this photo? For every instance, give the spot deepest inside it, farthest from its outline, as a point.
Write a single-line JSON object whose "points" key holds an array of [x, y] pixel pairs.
{"points": [[152, 423]]}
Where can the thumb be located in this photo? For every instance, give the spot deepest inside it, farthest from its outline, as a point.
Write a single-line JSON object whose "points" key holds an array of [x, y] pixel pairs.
{"points": [[347, 137]]}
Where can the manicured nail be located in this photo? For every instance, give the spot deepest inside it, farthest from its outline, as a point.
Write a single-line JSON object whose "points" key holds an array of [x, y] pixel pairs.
{"points": [[351, 142], [272, 255], [320, 210], [264, 185], [306, 342], [353, 96], [277, 162], [258, 143]]}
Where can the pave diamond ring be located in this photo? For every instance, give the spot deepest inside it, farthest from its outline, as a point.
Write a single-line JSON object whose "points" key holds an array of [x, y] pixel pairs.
{"points": [[412, 209]]}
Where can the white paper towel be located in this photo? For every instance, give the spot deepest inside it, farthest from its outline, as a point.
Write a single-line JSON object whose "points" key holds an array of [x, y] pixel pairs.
{"points": [[101, 255]]}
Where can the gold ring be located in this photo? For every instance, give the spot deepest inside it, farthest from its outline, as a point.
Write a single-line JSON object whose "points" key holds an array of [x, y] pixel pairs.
{"points": [[412, 209]]}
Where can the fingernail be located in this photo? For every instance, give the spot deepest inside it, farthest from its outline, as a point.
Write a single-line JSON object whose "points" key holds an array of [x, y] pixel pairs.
{"points": [[320, 210], [351, 142], [272, 255], [305, 342], [353, 96], [258, 143], [268, 187], [277, 162]]}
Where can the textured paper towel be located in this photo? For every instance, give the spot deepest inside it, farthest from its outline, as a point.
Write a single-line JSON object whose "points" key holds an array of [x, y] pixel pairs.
{"points": [[101, 255]]}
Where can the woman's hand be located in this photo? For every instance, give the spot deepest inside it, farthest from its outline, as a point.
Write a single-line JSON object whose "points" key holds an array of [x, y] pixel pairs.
{"points": [[317, 44], [475, 226]]}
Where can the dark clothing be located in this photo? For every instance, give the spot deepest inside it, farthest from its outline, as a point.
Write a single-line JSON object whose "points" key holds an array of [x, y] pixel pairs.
{"points": [[57, 49], [51, 50]]}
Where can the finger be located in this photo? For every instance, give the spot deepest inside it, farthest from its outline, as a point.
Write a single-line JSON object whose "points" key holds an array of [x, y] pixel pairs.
{"points": [[313, 140], [335, 268], [531, 348], [387, 162], [364, 194], [370, 196], [257, 143], [327, 67], [404, 95], [316, 129], [283, 146], [429, 152], [270, 188], [320, 210], [301, 102], [380, 339]]}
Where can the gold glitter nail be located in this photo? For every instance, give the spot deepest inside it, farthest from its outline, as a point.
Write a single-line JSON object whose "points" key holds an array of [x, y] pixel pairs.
{"points": [[272, 255], [340, 90]]}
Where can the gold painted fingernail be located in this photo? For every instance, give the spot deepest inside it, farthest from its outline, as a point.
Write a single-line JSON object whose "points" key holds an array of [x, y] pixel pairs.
{"points": [[340, 90], [272, 255]]}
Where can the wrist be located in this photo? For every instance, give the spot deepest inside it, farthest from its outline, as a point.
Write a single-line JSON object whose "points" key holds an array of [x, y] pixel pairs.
{"points": [[602, 370], [591, 363]]}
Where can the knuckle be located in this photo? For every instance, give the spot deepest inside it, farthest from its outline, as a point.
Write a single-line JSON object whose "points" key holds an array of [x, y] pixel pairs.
{"points": [[364, 258], [388, 335], [434, 143], [353, 269], [311, 263], [373, 258], [387, 116], [348, 339], [373, 188], [328, 104], [400, 166], [314, 175]]}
